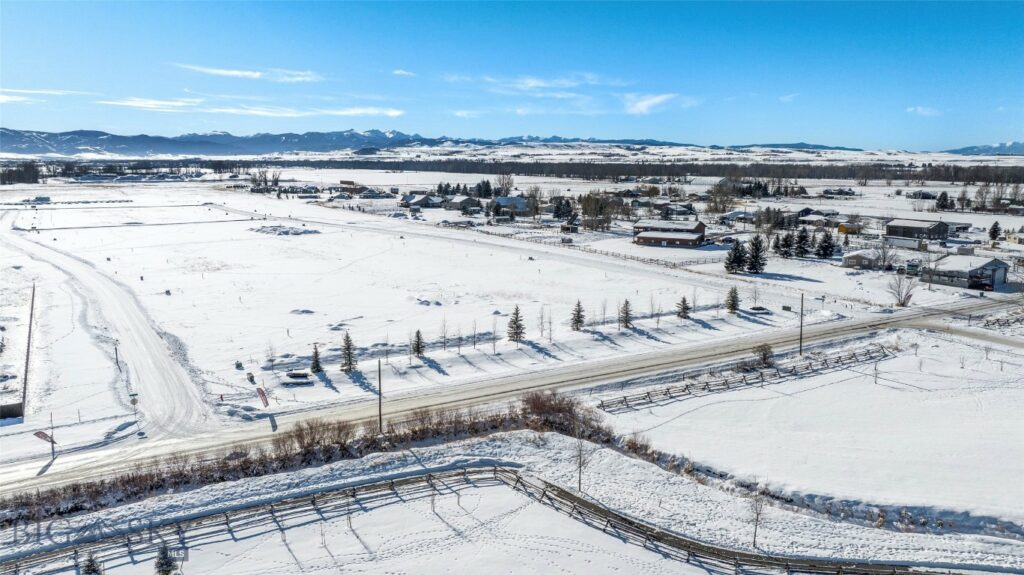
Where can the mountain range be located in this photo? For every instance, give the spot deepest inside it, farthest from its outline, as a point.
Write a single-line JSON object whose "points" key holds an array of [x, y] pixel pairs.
{"points": [[225, 144]]}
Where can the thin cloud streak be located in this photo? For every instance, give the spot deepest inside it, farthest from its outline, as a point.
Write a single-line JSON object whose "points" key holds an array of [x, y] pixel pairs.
{"points": [[401, 72], [194, 105], [280, 75], [789, 98], [643, 104], [923, 111]]}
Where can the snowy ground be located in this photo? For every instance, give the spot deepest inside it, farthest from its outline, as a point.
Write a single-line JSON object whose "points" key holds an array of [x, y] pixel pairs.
{"points": [[929, 433], [482, 529], [627, 485], [220, 289]]}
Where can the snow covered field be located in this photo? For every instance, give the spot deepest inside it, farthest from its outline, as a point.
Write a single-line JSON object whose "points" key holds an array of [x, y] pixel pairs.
{"points": [[939, 429], [484, 529], [628, 485], [204, 277]]}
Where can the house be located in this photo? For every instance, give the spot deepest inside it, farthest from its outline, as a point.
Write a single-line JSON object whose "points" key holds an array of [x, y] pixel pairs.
{"points": [[959, 227], [838, 192], [921, 195], [848, 228], [862, 259], [670, 239], [675, 210], [972, 272], [669, 227], [926, 230], [737, 216], [461, 203], [421, 201], [815, 220], [513, 205]]}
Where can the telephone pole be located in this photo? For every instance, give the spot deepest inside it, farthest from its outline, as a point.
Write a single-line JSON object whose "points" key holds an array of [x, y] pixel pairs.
{"points": [[380, 400], [801, 324]]}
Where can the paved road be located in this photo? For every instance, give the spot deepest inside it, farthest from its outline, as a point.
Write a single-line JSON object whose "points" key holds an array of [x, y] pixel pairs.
{"points": [[174, 404], [100, 463]]}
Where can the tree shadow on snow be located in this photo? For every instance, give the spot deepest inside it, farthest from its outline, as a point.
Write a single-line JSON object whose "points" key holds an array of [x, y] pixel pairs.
{"points": [[326, 380], [752, 318], [646, 334], [433, 365], [602, 337], [703, 324], [358, 378], [540, 349], [786, 277]]}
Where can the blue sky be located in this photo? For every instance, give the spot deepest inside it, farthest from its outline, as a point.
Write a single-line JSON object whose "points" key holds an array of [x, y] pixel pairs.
{"points": [[917, 76]]}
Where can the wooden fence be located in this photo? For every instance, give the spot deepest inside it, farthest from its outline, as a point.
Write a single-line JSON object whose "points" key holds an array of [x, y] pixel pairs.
{"points": [[140, 545], [676, 392]]}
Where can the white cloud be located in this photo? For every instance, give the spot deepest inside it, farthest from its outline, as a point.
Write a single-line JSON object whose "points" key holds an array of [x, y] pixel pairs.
{"points": [[645, 103], [401, 72], [923, 111], [466, 114], [48, 92], [273, 74], [194, 105], [689, 102], [251, 74], [789, 98], [456, 78], [172, 105], [7, 99], [293, 76], [365, 111]]}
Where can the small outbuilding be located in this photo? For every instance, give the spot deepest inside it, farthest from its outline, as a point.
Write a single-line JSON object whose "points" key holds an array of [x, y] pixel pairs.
{"points": [[972, 272], [862, 259]]}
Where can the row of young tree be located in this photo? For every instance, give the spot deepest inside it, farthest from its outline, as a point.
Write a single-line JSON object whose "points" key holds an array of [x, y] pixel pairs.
{"points": [[987, 198], [752, 256], [349, 361], [516, 329]]}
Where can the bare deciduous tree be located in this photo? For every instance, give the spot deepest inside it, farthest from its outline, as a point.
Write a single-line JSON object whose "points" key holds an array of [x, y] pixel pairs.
{"points": [[504, 184], [757, 505], [902, 288]]}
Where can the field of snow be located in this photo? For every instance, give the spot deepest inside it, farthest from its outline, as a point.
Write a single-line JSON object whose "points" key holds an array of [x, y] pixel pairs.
{"points": [[627, 485], [939, 429], [481, 529], [223, 282]]}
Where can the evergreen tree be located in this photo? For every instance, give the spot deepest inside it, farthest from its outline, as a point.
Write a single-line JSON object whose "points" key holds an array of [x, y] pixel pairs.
{"points": [[826, 247], [577, 317], [626, 315], [732, 300], [418, 347], [776, 245], [165, 564], [736, 259], [994, 231], [348, 354], [786, 245], [846, 240], [943, 202], [516, 329], [316, 367], [757, 255], [802, 244], [91, 566], [683, 309], [814, 242]]}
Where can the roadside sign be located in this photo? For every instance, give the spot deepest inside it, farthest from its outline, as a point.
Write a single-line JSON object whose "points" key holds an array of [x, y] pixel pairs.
{"points": [[135, 401], [263, 396]]}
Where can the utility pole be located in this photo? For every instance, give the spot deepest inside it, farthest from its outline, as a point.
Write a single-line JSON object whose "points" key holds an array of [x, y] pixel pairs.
{"points": [[53, 442], [380, 401], [801, 324]]}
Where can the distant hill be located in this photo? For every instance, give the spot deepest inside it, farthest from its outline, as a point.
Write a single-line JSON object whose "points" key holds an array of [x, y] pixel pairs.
{"points": [[1007, 149], [224, 144], [796, 146]]}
